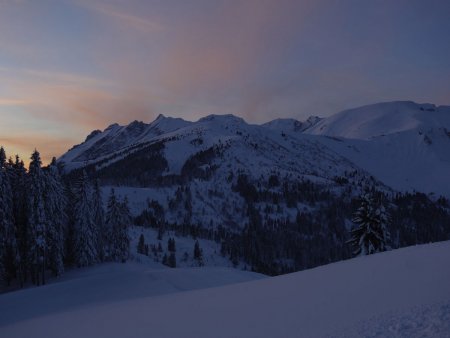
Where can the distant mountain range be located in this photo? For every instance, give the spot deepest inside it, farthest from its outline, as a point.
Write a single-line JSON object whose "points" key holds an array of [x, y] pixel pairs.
{"points": [[278, 196], [403, 144]]}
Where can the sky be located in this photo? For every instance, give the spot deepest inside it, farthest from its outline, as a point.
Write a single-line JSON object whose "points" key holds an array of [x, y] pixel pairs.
{"points": [[68, 67]]}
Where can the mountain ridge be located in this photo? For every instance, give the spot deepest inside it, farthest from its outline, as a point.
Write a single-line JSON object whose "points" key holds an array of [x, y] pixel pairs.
{"points": [[372, 137], [271, 197], [381, 119]]}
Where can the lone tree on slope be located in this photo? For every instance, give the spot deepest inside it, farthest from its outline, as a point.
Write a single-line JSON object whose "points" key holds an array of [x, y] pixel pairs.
{"points": [[370, 234]]}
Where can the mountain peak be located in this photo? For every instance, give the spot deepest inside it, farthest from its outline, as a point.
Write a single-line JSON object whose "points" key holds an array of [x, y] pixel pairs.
{"points": [[112, 126], [93, 134], [136, 124], [222, 118]]}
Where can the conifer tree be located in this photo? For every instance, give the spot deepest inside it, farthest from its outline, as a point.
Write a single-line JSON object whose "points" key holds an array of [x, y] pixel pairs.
{"points": [[171, 245], [370, 234], [126, 214], [172, 260], [117, 220], [69, 235], [198, 253], [123, 240], [111, 218], [8, 245], [99, 219], [19, 187], [84, 227], [37, 220], [165, 260], [141, 245], [55, 203]]}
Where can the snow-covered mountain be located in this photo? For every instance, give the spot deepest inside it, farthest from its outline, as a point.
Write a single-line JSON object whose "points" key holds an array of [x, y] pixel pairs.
{"points": [[250, 145], [404, 144], [383, 119], [208, 155], [115, 138], [277, 197], [401, 293]]}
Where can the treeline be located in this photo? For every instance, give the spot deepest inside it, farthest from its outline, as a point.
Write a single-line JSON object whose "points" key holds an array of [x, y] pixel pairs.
{"points": [[272, 242], [48, 223], [321, 234]]}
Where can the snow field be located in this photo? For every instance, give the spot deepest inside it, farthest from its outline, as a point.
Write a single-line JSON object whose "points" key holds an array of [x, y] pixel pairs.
{"points": [[401, 293]]}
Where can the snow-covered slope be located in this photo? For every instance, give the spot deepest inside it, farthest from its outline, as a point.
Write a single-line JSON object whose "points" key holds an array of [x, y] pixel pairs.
{"points": [[285, 125], [250, 145], [116, 138], [404, 144], [382, 119], [402, 293], [207, 155], [110, 283]]}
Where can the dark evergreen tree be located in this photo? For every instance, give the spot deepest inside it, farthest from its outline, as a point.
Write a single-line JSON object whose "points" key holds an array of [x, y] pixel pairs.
{"points": [[99, 219], [125, 212], [8, 244], [117, 221], [55, 207], [123, 239], [37, 220], [69, 236], [19, 187], [141, 245], [370, 234], [172, 261], [171, 245], [160, 232], [165, 260], [86, 236], [198, 253]]}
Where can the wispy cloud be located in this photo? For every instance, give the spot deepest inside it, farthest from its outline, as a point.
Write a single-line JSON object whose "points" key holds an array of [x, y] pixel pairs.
{"points": [[74, 99], [229, 53], [121, 16], [4, 101], [86, 64]]}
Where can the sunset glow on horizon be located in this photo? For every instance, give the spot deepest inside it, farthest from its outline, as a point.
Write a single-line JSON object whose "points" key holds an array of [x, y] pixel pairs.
{"points": [[69, 67]]}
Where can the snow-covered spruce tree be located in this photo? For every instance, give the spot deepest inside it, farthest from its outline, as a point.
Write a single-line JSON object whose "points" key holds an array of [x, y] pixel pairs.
{"points": [[141, 245], [19, 187], [37, 220], [198, 253], [117, 221], [55, 206], [8, 244], [172, 260], [85, 231], [111, 218], [370, 234], [69, 236], [99, 219], [123, 240]]}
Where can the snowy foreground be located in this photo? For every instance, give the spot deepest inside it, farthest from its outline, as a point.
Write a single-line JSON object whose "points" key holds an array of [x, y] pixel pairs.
{"points": [[402, 293]]}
